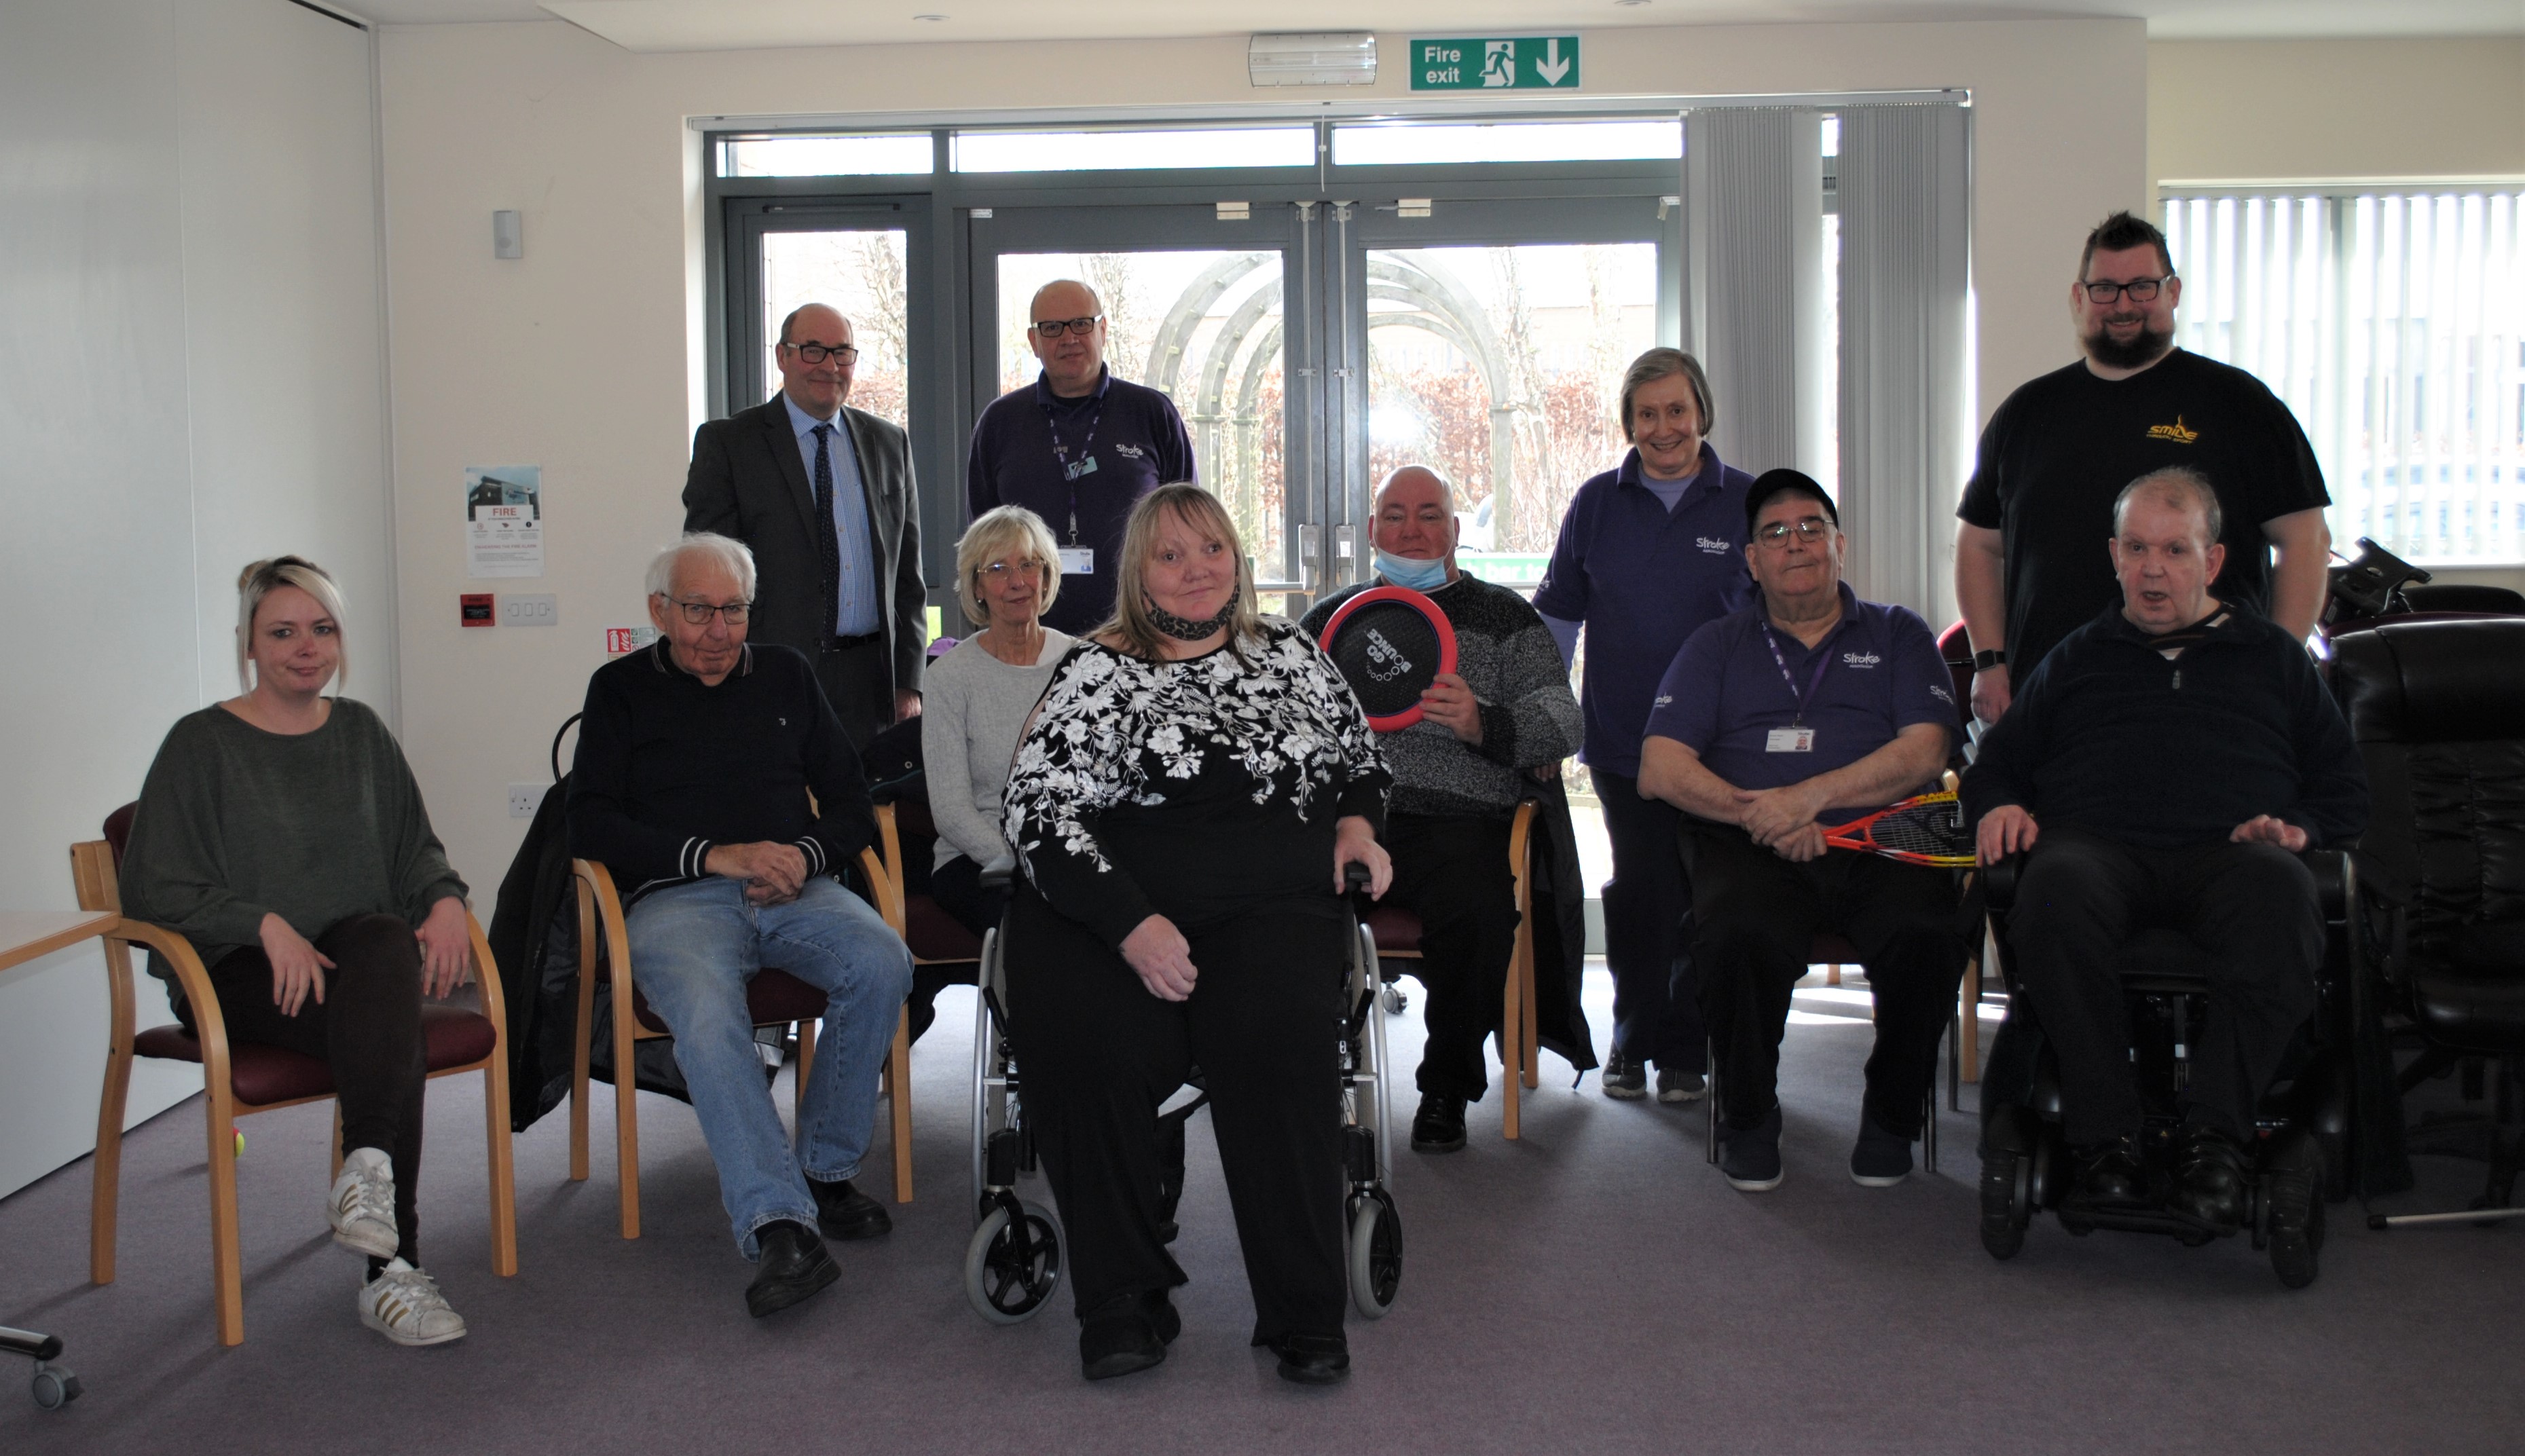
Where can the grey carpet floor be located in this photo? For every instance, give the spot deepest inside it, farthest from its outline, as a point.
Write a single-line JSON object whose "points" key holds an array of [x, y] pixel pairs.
{"points": [[1593, 1288]]}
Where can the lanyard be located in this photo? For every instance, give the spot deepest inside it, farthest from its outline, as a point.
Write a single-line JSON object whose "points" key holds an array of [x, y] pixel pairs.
{"points": [[1086, 459], [1814, 679]]}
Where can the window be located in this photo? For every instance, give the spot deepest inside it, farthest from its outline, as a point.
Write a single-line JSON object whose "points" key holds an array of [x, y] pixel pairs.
{"points": [[1450, 143], [2393, 323], [896, 154], [1134, 151]]}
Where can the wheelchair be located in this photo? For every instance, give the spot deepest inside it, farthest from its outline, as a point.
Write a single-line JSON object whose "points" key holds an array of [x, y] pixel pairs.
{"points": [[2299, 1156], [1012, 1263]]}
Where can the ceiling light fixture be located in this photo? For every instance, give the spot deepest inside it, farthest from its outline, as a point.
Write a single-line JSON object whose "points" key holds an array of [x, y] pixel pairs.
{"points": [[935, 16], [1341, 58]]}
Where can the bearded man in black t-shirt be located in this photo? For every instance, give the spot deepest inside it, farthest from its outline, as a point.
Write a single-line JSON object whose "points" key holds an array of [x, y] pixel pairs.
{"points": [[2029, 569]]}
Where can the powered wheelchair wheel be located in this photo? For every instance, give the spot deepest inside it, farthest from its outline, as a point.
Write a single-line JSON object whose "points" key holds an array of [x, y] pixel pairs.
{"points": [[1012, 1265], [2288, 1209], [1375, 1252], [2012, 1149]]}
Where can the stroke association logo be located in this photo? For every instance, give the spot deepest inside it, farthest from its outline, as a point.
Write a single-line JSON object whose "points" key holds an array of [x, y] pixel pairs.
{"points": [[1860, 659], [2174, 432], [1714, 547]]}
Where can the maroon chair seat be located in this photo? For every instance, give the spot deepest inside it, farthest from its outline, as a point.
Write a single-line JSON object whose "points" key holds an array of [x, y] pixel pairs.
{"points": [[934, 935], [264, 1075], [771, 996], [1396, 929]]}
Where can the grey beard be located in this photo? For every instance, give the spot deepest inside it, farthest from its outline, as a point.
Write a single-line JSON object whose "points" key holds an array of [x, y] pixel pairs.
{"points": [[1185, 629], [2146, 348]]}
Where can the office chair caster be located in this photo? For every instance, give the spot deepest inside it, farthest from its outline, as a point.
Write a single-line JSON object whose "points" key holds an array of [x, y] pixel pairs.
{"points": [[54, 1387]]}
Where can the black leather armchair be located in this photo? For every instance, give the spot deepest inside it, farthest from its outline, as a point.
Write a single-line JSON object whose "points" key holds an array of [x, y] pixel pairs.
{"points": [[2437, 708]]}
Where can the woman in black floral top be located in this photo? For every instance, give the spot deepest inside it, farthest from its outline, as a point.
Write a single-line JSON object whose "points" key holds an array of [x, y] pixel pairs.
{"points": [[1183, 805]]}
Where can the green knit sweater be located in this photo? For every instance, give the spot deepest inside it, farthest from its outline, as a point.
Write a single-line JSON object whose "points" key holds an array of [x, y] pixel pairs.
{"points": [[236, 822]]}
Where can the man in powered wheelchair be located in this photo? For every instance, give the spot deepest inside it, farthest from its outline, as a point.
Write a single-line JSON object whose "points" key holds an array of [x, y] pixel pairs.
{"points": [[1012, 1263], [2143, 809]]}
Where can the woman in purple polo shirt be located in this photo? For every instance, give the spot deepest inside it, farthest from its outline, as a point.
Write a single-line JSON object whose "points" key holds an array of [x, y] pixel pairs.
{"points": [[1648, 552]]}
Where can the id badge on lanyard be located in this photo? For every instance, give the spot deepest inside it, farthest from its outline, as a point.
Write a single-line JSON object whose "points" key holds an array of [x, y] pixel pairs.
{"points": [[1797, 738]]}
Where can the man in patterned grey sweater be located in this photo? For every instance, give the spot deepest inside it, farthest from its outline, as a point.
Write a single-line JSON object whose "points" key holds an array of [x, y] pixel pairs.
{"points": [[1504, 714]]}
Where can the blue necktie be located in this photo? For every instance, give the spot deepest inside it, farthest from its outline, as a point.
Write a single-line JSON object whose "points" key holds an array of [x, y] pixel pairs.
{"points": [[829, 546]]}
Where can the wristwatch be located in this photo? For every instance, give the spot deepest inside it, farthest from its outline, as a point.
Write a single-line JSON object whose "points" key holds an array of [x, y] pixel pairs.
{"points": [[1988, 657]]}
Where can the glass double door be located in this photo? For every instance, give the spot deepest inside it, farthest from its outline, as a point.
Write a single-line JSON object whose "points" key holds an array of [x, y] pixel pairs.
{"points": [[1312, 347]]}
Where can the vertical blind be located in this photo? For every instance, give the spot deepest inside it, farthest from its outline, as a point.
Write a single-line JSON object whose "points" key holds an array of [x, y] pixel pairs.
{"points": [[2393, 323]]}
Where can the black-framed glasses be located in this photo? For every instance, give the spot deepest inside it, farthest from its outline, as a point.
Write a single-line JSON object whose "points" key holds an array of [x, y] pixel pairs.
{"points": [[1053, 328], [1811, 528], [2141, 290], [699, 613], [816, 354]]}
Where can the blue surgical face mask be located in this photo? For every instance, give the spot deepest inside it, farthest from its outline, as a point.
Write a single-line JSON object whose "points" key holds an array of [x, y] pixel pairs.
{"points": [[1406, 571]]}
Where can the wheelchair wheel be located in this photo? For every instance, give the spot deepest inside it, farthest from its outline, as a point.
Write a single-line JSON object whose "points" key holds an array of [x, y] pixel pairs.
{"points": [[2292, 1205], [2007, 1190], [54, 1388], [1375, 1252], [1013, 1266]]}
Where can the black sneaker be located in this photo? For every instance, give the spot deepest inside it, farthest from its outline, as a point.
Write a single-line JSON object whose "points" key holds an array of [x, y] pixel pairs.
{"points": [[1623, 1077], [795, 1265], [1675, 1085], [844, 1212], [1881, 1160], [1751, 1156], [1439, 1125]]}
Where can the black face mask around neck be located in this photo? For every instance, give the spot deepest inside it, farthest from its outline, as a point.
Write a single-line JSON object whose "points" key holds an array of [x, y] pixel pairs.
{"points": [[1185, 629]]}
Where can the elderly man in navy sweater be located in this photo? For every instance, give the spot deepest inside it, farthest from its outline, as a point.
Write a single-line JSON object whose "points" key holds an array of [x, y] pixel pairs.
{"points": [[2163, 764], [696, 759]]}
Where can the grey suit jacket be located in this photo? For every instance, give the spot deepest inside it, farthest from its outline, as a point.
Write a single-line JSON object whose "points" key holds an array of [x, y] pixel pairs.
{"points": [[748, 482]]}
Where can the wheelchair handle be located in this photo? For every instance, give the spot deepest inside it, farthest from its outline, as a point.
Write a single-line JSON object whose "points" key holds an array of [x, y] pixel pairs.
{"points": [[1355, 877]]}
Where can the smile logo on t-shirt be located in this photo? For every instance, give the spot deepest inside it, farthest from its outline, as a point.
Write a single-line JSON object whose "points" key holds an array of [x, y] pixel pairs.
{"points": [[2174, 432]]}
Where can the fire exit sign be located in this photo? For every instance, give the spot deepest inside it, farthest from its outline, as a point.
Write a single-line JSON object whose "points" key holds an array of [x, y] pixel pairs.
{"points": [[1524, 63]]}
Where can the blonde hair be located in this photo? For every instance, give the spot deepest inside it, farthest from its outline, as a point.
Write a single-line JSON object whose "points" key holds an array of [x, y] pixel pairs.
{"points": [[1199, 509], [260, 579], [1001, 531]]}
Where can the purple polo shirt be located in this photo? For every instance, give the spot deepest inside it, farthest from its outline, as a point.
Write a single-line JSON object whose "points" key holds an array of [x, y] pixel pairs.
{"points": [[1138, 443], [1642, 579], [1877, 673]]}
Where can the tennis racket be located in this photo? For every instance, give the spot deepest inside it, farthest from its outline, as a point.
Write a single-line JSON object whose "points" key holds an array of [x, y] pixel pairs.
{"points": [[1925, 830], [1390, 644]]}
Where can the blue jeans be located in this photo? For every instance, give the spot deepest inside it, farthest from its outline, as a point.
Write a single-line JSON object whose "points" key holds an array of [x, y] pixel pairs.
{"points": [[693, 950]]}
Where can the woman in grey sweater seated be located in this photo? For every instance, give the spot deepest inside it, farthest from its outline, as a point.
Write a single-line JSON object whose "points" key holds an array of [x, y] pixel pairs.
{"points": [[281, 832], [974, 702]]}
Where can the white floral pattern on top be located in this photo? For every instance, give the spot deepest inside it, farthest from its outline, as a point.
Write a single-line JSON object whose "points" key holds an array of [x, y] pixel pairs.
{"points": [[1113, 730]]}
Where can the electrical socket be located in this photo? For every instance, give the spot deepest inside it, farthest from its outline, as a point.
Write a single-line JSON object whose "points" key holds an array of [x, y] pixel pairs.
{"points": [[525, 798]]}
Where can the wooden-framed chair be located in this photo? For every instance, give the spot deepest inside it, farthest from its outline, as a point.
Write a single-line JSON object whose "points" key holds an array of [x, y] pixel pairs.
{"points": [[937, 938], [243, 1077], [773, 997], [1397, 937]]}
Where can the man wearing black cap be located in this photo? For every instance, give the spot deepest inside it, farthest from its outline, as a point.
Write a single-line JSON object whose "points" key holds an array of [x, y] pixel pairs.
{"points": [[1805, 711]]}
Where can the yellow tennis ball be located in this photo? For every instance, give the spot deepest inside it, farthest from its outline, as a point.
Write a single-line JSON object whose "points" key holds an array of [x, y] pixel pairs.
{"points": [[241, 1143]]}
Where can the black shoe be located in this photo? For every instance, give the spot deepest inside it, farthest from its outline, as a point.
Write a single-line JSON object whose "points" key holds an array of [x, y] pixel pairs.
{"points": [[2107, 1175], [1313, 1359], [1439, 1125], [1881, 1160], [1623, 1079], [1750, 1158], [1159, 1306], [844, 1212], [2210, 1181], [793, 1266], [1119, 1337]]}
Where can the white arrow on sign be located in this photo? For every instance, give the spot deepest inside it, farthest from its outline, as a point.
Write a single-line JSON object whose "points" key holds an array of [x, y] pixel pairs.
{"points": [[1552, 67]]}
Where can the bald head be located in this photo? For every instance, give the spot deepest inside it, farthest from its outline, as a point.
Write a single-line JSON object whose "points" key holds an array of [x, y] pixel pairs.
{"points": [[818, 384], [1415, 516], [1073, 359]]}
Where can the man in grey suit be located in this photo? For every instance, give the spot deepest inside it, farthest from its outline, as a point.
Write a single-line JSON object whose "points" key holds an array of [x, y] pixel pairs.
{"points": [[824, 494]]}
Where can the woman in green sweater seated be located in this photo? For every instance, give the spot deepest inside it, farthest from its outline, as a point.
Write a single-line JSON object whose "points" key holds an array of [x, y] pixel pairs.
{"points": [[281, 832]]}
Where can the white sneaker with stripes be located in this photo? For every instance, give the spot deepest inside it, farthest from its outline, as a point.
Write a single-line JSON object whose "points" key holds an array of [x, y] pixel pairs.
{"points": [[403, 1305], [363, 1206]]}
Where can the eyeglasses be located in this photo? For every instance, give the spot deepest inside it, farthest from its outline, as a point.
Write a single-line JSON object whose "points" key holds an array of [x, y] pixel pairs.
{"points": [[999, 571], [699, 613], [1053, 328], [2141, 290], [816, 354], [1811, 528]]}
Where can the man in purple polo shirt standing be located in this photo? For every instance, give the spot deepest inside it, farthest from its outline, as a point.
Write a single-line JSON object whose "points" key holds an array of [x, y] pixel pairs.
{"points": [[1078, 448], [1807, 709], [1648, 553]]}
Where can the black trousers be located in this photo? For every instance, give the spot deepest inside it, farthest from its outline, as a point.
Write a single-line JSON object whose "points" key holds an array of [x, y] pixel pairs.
{"points": [[1759, 915], [859, 685], [957, 886], [2254, 907], [1452, 872], [1647, 931], [366, 1029], [1098, 1054]]}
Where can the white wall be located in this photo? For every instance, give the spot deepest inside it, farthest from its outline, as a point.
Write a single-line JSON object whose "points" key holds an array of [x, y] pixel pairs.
{"points": [[190, 376], [581, 356]]}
